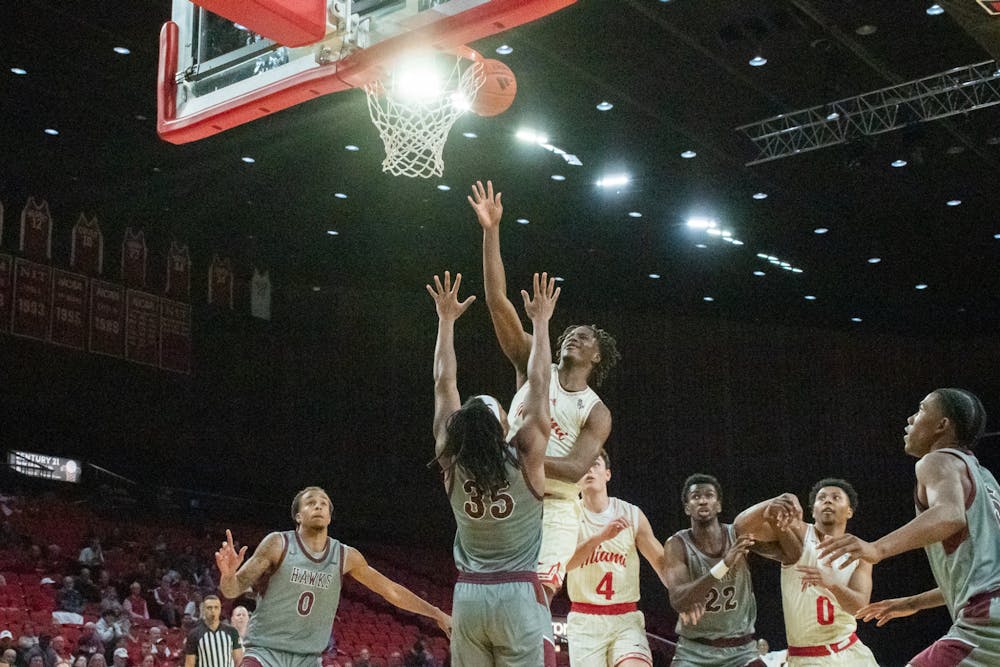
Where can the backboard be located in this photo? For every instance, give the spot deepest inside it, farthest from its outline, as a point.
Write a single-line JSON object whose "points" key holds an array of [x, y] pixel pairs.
{"points": [[216, 73]]}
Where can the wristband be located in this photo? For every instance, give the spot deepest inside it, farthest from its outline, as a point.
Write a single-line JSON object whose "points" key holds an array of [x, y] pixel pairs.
{"points": [[719, 570]]}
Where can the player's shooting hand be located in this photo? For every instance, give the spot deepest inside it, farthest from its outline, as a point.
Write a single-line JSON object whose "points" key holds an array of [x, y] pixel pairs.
{"points": [[783, 511], [693, 615], [615, 526], [813, 576], [738, 550], [541, 305], [446, 297], [226, 558], [832, 548], [886, 610], [487, 206]]}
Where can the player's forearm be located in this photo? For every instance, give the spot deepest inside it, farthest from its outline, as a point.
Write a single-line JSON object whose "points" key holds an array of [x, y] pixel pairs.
{"points": [[583, 552], [685, 596], [928, 599], [935, 525], [404, 598], [536, 405], [494, 274], [232, 586], [849, 599], [445, 363], [567, 469]]}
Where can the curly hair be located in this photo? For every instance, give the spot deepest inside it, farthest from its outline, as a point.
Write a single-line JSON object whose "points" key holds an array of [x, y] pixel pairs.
{"points": [[700, 478], [606, 343], [475, 442], [843, 485]]}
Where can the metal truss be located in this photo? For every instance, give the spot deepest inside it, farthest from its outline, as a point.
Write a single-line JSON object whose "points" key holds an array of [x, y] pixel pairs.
{"points": [[956, 91]]}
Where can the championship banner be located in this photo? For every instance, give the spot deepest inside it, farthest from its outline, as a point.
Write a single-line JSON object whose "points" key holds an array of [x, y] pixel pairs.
{"points": [[69, 309], [107, 318], [36, 230], [86, 253], [134, 258], [142, 327], [220, 282], [178, 285], [6, 291], [32, 296], [175, 336]]}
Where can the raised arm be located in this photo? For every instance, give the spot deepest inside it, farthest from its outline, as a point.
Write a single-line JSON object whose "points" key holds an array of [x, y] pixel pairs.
{"points": [[650, 547], [886, 610], [588, 546], [533, 436], [686, 593], [446, 397], [777, 527], [942, 476], [396, 595], [593, 435], [514, 341], [236, 580]]}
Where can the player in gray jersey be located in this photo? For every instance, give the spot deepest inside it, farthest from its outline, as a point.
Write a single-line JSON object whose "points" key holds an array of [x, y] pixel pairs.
{"points": [[296, 576], [957, 524], [494, 487], [708, 578]]}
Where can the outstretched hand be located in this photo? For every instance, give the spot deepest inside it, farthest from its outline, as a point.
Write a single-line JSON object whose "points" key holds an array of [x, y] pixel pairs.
{"points": [[832, 548], [693, 615], [545, 296], [738, 550], [226, 558], [487, 206], [783, 511], [446, 297], [886, 610]]}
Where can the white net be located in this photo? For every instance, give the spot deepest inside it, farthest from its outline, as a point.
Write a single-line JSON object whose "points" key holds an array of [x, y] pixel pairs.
{"points": [[414, 125]]}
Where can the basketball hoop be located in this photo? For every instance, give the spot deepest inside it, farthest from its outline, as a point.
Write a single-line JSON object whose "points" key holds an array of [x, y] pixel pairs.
{"points": [[414, 122]]}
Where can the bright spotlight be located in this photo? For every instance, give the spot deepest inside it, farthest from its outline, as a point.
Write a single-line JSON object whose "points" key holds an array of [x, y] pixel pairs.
{"points": [[701, 223], [613, 181], [418, 80]]}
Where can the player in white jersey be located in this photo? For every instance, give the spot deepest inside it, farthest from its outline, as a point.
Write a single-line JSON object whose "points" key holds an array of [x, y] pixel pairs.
{"points": [[820, 600], [605, 627], [958, 526], [581, 422]]}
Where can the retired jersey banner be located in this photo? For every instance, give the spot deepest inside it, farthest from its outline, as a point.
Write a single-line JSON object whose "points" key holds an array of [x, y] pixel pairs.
{"points": [[69, 309], [134, 258], [86, 252], [107, 318], [175, 336], [142, 327], [32, 296], [178, 284], [6, 291], [36, 230]]}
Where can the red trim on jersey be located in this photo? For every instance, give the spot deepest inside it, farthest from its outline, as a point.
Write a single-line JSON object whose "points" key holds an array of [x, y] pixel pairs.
{"points": [[635, 655], [527, 482], [822, 649], [251, 661], [724, 642], [952, 542], [604, 609], [943, 653], [487, 578], [307, 554], [261, 587], [977, 608]]}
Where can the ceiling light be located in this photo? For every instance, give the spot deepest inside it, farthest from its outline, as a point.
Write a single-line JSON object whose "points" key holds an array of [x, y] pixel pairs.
{"points": [[315, 288], [558, 177], [351, 147], [796, 269], [418, 80], [855, 319], [139, 116], [613, 181], [809, 297], [701, 223], [760, 195], [121, 50], [874, 260], [687, 155], [992, 141], [654, 276], [935, 10], [920, 286], [332, 232], [605, 106], [444, 188], [700, 245], [634, 214], [522, 221], [707, 298], [505, 49], [899, 163], [996, 236], [51, 131], [714, 231], [833, 115], [340, 195], [735, 241], [759, 273], [19, 71], [820, 230], [758, 61], [865, 30], [559, 279], [470, 135], [954, 202], [955, 150], [532, 137], [248, 159]]}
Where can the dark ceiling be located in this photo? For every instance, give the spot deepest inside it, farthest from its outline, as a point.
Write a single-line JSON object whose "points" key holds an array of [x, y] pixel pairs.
{"points": [[678, 77]]}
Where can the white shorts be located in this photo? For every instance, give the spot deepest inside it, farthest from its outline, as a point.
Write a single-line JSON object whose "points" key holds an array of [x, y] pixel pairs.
{"points": [[560, 528], [597, 640], [856, 655]]}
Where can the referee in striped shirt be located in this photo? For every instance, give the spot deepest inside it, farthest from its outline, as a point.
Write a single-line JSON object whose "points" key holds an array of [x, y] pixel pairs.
{"points": [[212, 644]]}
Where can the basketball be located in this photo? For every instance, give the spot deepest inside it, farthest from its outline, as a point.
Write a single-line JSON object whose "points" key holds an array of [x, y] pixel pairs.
{"points": [[498, 90]]}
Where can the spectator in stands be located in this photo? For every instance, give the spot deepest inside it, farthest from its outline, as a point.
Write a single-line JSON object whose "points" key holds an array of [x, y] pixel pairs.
{"points": [[69, 598], [34, 661], [6, 641], [419, 656], [143, 575], [92, 555], [193, 606], [240, 620], [81, 661], [120, 658], [164, 599], [364, 658], [63, 654], [148, 661], [97, 660], [28, 637], [135, 605], [42, 650], [212, 644], [89, 643], [107, 590], [158, 645], [88, 589], [64, 663], [110, 628], [395, 659], [8, 658]]}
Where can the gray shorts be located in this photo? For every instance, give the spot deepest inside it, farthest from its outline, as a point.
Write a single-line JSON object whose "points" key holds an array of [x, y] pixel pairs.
{"points": [[695, 654], [258, 656]]}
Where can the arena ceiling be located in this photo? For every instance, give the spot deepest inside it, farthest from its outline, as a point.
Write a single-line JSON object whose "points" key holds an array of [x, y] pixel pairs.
{"points": [[678, 76]]}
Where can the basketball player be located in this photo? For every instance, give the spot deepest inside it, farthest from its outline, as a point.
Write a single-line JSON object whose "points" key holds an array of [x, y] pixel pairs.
{"points": [[580, 420], [819, 601], [605, 627], [494, 486], [957, 524], [297, 576], [706, 564]]}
